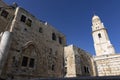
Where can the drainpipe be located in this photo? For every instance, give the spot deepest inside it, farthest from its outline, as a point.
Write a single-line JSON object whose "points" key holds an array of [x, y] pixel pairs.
{"points": [[4, 48], [5, 43]]}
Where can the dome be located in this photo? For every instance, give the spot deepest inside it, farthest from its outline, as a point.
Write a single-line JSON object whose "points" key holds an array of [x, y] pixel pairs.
{"points": [[95, 17]]}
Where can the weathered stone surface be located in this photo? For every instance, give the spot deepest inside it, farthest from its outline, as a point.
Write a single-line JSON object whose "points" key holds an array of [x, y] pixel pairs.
{"points": [[108, 65], [78, 62], [44, 51], [101, 40]]}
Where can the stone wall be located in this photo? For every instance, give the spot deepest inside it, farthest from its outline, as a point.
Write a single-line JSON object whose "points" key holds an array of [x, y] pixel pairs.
{"points": [[108, 65], [70, 69], [78, 62], [36, 50], [6, 16]]}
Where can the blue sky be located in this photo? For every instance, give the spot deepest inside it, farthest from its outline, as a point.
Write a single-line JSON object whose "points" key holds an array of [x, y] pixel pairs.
{"points": [[73, 18]]}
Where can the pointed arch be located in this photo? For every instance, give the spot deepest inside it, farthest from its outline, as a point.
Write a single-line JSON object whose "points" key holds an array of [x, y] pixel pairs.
{"points": [[28, 44], [29, 55]]}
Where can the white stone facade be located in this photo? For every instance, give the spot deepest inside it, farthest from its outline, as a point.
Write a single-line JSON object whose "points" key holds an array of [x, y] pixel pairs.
{"points": [[78, 62], [106, 61], [102, 43], [107, 65]]}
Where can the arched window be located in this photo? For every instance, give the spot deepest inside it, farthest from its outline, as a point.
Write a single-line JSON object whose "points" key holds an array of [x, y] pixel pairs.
{"points": [[28, 56], [99, 35], [53, 36]]}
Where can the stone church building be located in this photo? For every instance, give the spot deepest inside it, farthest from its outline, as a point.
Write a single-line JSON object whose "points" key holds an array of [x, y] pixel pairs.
{"points": [[32, 48], [106, 61]]}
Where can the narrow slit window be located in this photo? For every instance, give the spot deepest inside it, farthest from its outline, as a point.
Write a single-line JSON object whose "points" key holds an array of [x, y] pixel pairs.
{"points": [[24, 61], [40, 30], [85, 69], [32, 61], [53, 67], [60, 40], [53, 36], [99, 35]]}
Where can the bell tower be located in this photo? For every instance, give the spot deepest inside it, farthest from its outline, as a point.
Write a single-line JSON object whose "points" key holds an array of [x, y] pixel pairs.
{"points": [[102, 43]]}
